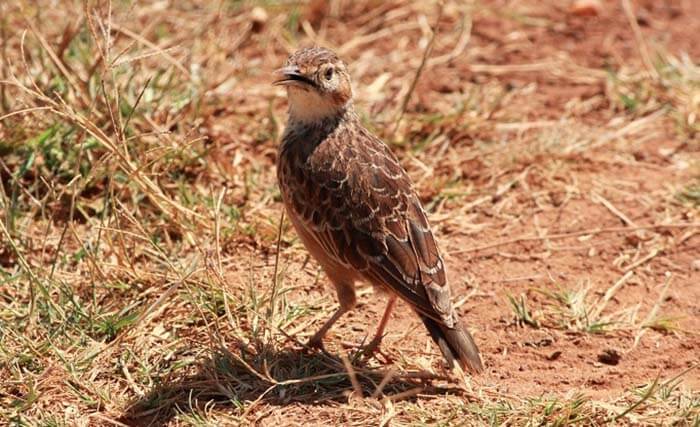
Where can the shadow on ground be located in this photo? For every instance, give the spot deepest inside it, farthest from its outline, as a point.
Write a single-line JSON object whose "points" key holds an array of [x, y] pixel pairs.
{"points": [[233, 382]]}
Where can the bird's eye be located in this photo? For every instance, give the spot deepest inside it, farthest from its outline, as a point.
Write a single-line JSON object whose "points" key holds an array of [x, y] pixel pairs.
{"points": [[329, 73]]}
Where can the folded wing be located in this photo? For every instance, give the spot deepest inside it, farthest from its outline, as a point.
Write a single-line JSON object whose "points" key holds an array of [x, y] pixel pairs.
{"points": [[366, 214]]}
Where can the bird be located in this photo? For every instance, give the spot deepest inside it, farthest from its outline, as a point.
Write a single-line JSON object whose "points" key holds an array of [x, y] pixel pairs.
{"points": [[356, 210]]}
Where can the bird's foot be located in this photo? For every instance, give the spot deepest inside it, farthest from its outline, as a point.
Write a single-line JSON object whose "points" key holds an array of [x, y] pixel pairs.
{"points": [[373, 347], [315, 343], [371, 350]]}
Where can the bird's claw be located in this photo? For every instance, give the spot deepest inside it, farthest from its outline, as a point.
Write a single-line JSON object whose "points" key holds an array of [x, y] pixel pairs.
{"points": [[370, 350], [315, 344]]}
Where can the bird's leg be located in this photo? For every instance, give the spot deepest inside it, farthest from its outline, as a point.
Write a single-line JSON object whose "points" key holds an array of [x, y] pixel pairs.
{"points": [[347, 300], [317, 340], [374, 344]]}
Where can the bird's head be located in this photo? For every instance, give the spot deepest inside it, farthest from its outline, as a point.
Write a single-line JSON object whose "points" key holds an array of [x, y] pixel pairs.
{"points": [[317, 82]]}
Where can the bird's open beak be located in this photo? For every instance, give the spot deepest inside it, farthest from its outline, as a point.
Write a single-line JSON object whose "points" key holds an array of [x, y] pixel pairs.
{"points": [[292, 76]]}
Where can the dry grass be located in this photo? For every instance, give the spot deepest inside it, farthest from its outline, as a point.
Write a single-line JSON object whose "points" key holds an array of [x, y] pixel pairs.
{"points": [[145, 277]]}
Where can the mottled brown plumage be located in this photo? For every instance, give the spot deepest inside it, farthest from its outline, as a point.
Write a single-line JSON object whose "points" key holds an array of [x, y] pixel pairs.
{"points": [[354, 206]]}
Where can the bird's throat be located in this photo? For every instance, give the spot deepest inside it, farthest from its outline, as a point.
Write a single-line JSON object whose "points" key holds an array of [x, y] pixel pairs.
{"points": [[308, 106]]}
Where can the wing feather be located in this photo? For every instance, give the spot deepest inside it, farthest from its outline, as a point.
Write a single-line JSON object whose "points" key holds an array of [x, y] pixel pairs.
{"points": [[366, 214]]}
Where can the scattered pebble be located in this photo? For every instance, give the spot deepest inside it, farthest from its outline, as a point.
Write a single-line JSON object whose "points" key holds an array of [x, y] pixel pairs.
{"points": [[554, 356], [695, 265], [609, 357], [258, 18], [544, 342], [586, 7]]}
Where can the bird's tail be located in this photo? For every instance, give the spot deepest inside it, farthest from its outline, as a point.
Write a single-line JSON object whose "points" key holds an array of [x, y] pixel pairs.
{"points": [[455, 344]]}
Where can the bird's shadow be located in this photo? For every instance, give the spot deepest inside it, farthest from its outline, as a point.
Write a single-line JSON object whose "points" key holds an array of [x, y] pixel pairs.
{"points": [[242, 379]]}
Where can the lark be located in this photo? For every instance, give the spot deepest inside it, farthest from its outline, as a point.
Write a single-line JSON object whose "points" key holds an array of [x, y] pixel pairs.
{"points": [[355, 208]]}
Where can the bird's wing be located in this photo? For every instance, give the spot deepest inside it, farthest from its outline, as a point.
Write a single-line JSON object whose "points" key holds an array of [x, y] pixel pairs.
{"points": [[366, 214]]}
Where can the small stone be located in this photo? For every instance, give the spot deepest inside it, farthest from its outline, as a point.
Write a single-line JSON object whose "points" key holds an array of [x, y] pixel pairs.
{"points": [[609, 357], [695, 265], [258, 17], [554, 356], [586, 7]]}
